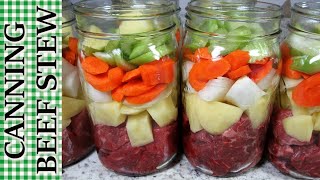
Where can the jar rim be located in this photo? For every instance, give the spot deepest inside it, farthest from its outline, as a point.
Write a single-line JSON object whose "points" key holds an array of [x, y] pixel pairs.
{"points": [[257, 11], [107, 9], [300, 32], [308, 9]]}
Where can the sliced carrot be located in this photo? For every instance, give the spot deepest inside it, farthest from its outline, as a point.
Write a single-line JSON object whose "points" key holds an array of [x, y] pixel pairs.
{"points": [[73, 44], [242, 71], [147, 97], [70, 56], [107, 81], [130, 75], [288, 72], [188, 54], [94, 65], [115, 76], [204, 71], [117, 94], [285, 51], [307, 94], [203, 53], [260, 71], [99, 82], [237, 59], [305, 76], [262, 61], [158, 72], [136, 88]]}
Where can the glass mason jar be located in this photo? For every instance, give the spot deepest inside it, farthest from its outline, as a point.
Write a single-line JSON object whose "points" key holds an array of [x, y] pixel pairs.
{"points": [[129, 75], [295, 145], [230, 74], [77, 138]]}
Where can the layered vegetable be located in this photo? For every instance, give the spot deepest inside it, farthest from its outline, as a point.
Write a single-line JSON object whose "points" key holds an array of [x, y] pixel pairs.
{"points": [[295, 145], [131, 87], [77, 135], [229, 81]]}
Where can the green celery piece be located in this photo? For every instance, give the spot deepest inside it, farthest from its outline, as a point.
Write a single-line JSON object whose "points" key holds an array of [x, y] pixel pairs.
{"points": [[306, 64], [88, 51], [255, 28], [126, 45], [111, 46], [120, 62], [209, 26], [196, 42], [107, 57], [151, 56], [143, 46], [317, 29], [241, 31], [306, 46], [221, 31], [259, 49], [228, 46]]}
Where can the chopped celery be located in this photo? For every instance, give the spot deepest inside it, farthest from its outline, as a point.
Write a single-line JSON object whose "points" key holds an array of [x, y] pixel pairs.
{"points": [[155, 53], [306, 64], [209, 26], [112, 45], [307, 46], [123, 64], [259, 50], [107, 57]]}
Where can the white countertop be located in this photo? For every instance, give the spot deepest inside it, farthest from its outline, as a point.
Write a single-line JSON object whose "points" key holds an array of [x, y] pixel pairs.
{"points": [[91, 169]]}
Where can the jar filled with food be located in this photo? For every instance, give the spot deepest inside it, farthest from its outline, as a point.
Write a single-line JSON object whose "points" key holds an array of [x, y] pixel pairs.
{"points": [[129, 74], [77, 137], [230, 74], [295, 145]]}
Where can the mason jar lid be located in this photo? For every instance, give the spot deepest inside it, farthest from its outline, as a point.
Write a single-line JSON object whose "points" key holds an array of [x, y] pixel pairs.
{"points": [[306, 17]]}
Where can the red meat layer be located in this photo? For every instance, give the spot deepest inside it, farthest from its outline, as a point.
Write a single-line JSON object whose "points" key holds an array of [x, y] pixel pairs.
{"points": [[289, 154], [77, 139], [116, 153], [236, 150]]}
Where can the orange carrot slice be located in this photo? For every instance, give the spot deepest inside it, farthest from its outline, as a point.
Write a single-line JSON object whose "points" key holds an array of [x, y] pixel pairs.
{"points": [[94, 65], [117, 94], [130, 75], [204, 71], [107, 81], [136, 88], [307, 94], [203, 53], [260, 71], [242, 71], [147, 97], [73, 44], [99, 82], [115, 76], [158, 72], [305, 76], [70, 56], [238, 59], [280, 66], [288, 72]]}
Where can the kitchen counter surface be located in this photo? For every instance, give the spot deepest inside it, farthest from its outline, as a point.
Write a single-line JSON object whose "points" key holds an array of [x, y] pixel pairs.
{"points": [[91, 169]]}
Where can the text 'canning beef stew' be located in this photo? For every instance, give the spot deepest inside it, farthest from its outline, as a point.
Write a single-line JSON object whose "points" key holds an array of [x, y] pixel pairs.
{"points": [[230, 77]]}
